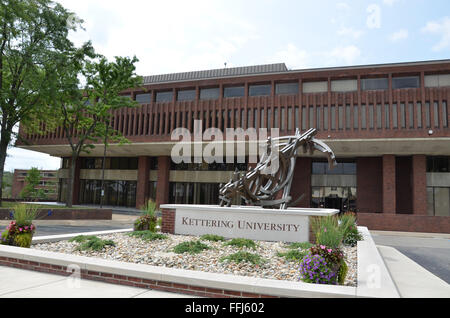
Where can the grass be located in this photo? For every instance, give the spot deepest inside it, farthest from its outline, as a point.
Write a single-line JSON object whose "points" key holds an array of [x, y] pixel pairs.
{"points": [[292, 255], [300, 245], [148, 235], [212, 238], [191, 247], [241, 242], [91, 243], [241, 256]]}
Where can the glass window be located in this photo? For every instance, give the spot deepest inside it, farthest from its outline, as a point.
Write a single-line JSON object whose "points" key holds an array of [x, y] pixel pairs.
{"points": [[363, 116], [379, 118], [374, 84], [411, 115], [333, 117], [436, 114], [209, 93], [304, 117], [164, 96], [259, 90], [234, 91], [427, 115], [402, 115], [444, 114], [325, 117], [318, 117], [186, 94], [394, 116], [145, 98], [438, 164], [419, 115], [355, 117], [405, 82], [341, 117], [321, 167], [286, 88], [386, 115]]}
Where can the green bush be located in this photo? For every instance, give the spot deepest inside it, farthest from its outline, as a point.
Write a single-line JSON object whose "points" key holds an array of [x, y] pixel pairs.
{"points": [[148, 219], [191, 247], [91, 243], [148, 235], [350, 229], [241, 242], [342, 273], [212, 238], [241, 256], [293, 255]]}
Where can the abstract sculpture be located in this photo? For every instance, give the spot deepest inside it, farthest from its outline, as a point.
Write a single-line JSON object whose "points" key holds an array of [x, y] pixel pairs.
{"points": [[272, 176]]}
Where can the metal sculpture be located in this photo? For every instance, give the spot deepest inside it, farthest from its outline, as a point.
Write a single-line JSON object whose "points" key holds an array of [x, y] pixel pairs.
{"points": [[263, 184]]}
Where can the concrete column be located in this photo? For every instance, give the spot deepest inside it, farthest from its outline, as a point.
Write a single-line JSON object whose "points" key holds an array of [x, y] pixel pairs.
{"points": [[389, 195], [162, 190], [301, 182], [419, 184], [142, 181]]}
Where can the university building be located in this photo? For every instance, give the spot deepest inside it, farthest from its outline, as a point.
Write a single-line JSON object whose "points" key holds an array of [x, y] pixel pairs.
{"points": [[387, 124]]}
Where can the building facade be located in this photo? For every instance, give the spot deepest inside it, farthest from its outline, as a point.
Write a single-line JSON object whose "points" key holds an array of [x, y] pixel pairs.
{"points": [[387, 124], [48, 183]]}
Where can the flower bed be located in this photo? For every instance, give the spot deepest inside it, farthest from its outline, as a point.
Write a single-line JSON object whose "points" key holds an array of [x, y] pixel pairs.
{"points": [[273, 257]]}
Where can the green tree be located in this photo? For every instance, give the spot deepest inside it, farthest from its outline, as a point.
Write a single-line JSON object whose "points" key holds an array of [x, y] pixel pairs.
{"points": [[32, 181], [85, 114], [32, 34]]}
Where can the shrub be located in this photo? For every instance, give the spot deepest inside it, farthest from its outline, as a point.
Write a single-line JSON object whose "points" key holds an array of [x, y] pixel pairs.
{"points": [[350, 230], [334, 258], [90, 242], [292, 255], [241, 242], [191, 247], [315, 269], [327, 231], [342, 273], [241, 256], [148, 219], [20, 231], [212, 238], [352, 238], [148, 235]]}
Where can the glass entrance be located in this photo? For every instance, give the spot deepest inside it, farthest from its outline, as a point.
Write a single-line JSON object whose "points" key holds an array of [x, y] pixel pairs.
{"points": [[340, 198]]}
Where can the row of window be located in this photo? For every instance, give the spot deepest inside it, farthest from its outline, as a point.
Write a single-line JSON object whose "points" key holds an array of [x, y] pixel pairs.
{"points": [[438, 164], [293, 88], [111, 163]]}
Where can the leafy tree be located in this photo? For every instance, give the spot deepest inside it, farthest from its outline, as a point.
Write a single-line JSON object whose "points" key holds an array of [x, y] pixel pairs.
{"points": [[32, 34], [31, 190], [85, 114]]}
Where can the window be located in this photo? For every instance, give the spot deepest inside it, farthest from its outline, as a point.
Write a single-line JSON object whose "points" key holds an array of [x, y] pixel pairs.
{"points": [[209, 93], [234, 91], [186, 94], [394, 116], [363, 116], [419, 115], [260, 90], [379, 118], [374, 84], [444, 114], [436, 114], [344, 85], [144, 98], [405, 82], [402, 115], [286, 88], [441, 80], [355, 117], [438, 164], [164, 96], [315, 87], [346, 168], [333, 117]]}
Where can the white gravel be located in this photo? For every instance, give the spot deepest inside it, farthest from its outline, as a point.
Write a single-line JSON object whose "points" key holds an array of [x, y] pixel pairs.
{"points": [[160, 253]]}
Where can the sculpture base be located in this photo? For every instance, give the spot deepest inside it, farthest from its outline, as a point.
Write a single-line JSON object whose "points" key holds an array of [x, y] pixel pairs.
{"points": [[256, 223]]}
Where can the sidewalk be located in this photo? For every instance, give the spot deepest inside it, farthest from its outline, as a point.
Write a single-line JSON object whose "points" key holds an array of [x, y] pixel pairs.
{"points": [[411, 279], [19, 283]]}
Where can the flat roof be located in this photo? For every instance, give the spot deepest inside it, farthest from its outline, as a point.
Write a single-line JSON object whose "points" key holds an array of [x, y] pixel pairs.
{"points": [[277, 68]]}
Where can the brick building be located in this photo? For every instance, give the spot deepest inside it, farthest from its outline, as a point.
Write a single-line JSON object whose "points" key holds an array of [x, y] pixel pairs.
{"points": [[49, 183], [387, 124]]}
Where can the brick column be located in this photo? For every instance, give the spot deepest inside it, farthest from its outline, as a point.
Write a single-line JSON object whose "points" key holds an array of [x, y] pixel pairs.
{"points": [[419, 184], [142, 181], [301, 182], [389, 195], [162, 190]]}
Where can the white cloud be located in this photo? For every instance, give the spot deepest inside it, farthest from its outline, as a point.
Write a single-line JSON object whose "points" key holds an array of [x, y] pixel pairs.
{"points": [[441, 28], [343, 6], [344, 54], [349, 32], [373, 20], [399, 35], [389, 2], [294, 57]]}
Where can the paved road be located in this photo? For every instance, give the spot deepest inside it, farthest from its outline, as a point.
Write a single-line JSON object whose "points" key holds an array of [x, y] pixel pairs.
{"points": [[431, 251]]}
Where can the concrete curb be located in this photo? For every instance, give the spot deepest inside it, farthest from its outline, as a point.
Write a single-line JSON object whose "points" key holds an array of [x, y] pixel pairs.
{"points": [[62, 237], [195, 282]]}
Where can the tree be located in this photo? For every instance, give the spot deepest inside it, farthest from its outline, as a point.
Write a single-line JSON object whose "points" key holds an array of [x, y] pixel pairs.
{"points": [[32, 181], [32, 33], [85, 114]]}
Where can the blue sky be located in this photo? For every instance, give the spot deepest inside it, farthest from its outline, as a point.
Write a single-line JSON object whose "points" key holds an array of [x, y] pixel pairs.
{"points": [[177, 36]]}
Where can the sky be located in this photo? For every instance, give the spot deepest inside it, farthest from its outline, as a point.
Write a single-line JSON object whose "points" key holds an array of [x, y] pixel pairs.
{"points": [[179, 36]]}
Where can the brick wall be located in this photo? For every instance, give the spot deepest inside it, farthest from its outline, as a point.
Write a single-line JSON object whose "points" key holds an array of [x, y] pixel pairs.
{"points": [[404, 222], [369, 184]]}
